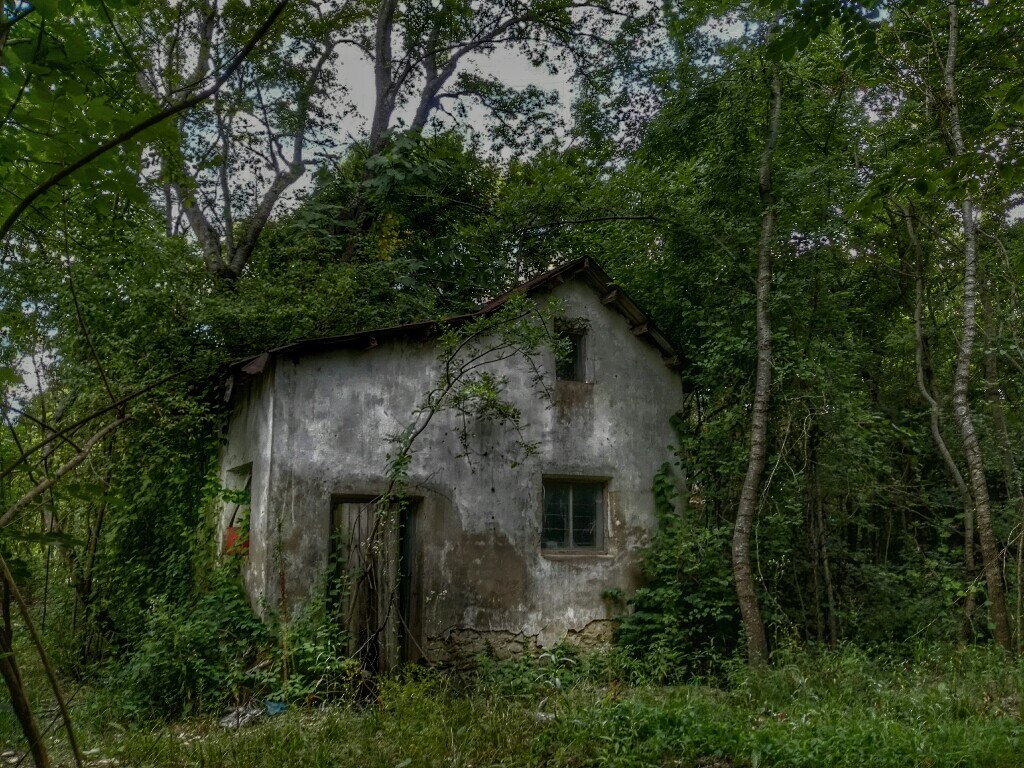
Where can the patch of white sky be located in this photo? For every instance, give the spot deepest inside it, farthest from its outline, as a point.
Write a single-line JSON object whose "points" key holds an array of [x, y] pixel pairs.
{"points": [[354, 72], [33, 372], [724, 29]]}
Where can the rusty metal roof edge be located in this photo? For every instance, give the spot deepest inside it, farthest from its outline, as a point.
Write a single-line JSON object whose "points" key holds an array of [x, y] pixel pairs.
{"points": [[597, 277]]}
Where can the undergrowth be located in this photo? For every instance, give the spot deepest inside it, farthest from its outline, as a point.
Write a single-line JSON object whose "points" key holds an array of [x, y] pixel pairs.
{"points": [[211, 652], [934, 706]]}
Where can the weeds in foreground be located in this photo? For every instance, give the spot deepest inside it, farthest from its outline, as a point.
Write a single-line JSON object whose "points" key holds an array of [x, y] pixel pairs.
{"points": [[947, 707]]}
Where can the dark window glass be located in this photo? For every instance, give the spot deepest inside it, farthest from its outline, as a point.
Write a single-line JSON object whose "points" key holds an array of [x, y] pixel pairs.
{"points": [[586, 504], [572, 515], [556, 514]]}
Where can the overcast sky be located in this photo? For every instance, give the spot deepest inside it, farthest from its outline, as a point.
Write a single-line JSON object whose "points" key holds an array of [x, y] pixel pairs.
{"points": [[355, 72]]}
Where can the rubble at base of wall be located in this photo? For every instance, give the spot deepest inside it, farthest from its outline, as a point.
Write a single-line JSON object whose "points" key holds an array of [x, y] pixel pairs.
{"points": [[463, 646], [596, 634]]}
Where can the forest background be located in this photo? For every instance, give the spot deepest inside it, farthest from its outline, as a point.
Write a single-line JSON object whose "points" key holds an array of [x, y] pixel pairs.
{"points": [[820, 205]]}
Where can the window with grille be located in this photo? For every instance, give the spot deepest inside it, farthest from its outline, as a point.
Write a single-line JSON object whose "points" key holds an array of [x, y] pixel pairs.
{"points": [[573, 515]]}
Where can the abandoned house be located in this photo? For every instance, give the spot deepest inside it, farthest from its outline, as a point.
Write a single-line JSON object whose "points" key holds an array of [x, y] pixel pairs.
{"points": [[485, 553]]}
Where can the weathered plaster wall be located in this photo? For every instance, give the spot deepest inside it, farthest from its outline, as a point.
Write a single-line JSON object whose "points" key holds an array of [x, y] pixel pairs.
{"points": [[246, 448], [478, 568]]}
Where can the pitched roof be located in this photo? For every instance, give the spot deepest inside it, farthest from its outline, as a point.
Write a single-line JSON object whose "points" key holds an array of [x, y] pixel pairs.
{"points": [[585, 268]]}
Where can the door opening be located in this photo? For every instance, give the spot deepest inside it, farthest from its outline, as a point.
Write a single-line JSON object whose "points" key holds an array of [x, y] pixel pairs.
{"points": [[374, 564]]}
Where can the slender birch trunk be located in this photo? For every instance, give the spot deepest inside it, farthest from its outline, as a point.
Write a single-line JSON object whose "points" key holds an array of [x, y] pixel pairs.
{"points": [[936, 418], [1001, 432], [742, 568], [990, 557]]}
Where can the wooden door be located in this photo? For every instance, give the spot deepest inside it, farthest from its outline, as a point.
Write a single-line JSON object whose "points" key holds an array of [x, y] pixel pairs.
{"points": [[373, 554]]}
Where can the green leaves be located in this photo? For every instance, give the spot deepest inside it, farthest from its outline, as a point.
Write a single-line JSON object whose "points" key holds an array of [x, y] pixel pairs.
{"points": [[800, 22], [70, 83], [48, 9], [47, 539], [9, 377]]}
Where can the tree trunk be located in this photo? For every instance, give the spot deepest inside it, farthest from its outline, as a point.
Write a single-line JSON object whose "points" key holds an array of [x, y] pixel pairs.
{"points": [[821, 526], [16, 688], [991, 561], [827, 618], [742, 568], [1014, 489], [385, 88], [925, 389]]}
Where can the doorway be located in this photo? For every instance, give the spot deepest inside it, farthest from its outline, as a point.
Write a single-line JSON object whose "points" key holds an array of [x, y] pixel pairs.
{"points": [[374, 567]]}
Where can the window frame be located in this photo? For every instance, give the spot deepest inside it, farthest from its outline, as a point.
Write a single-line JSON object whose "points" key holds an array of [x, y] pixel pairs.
{"points": [[600, 546], [576, 330]]}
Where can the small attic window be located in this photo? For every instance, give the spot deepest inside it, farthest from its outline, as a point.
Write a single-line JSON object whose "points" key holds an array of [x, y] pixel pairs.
{"points": [[570, 349]]}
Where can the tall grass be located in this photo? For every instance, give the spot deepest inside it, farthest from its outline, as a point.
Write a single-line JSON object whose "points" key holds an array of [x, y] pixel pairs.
{"points": [[939, 706]]}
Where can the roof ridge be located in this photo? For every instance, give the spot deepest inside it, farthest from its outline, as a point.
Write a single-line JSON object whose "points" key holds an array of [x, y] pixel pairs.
{"points": [[611, 295]]}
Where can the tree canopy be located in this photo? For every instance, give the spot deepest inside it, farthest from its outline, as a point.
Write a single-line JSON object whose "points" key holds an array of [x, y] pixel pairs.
{"points": [[818, 200]]}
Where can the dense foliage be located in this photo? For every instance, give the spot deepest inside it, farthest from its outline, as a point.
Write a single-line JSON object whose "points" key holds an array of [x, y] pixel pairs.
{"points": [[890, 509]]}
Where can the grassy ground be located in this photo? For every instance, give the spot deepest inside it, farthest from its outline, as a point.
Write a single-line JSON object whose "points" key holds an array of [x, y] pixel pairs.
{"points": [[947, 708]]}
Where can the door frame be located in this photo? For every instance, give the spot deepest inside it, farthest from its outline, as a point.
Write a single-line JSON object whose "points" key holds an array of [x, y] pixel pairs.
{"points": [[395, 640]]}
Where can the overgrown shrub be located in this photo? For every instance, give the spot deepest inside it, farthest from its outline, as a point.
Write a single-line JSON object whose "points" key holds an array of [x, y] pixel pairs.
{"points": [[309, 661], [193, 656], [213, 651], [685, 619]]}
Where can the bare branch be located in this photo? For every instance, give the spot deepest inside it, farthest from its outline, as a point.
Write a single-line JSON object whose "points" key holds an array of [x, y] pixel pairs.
{"points": [[225, 152], [284, 178], [203, 230], [56, 434], [38, 422]]}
